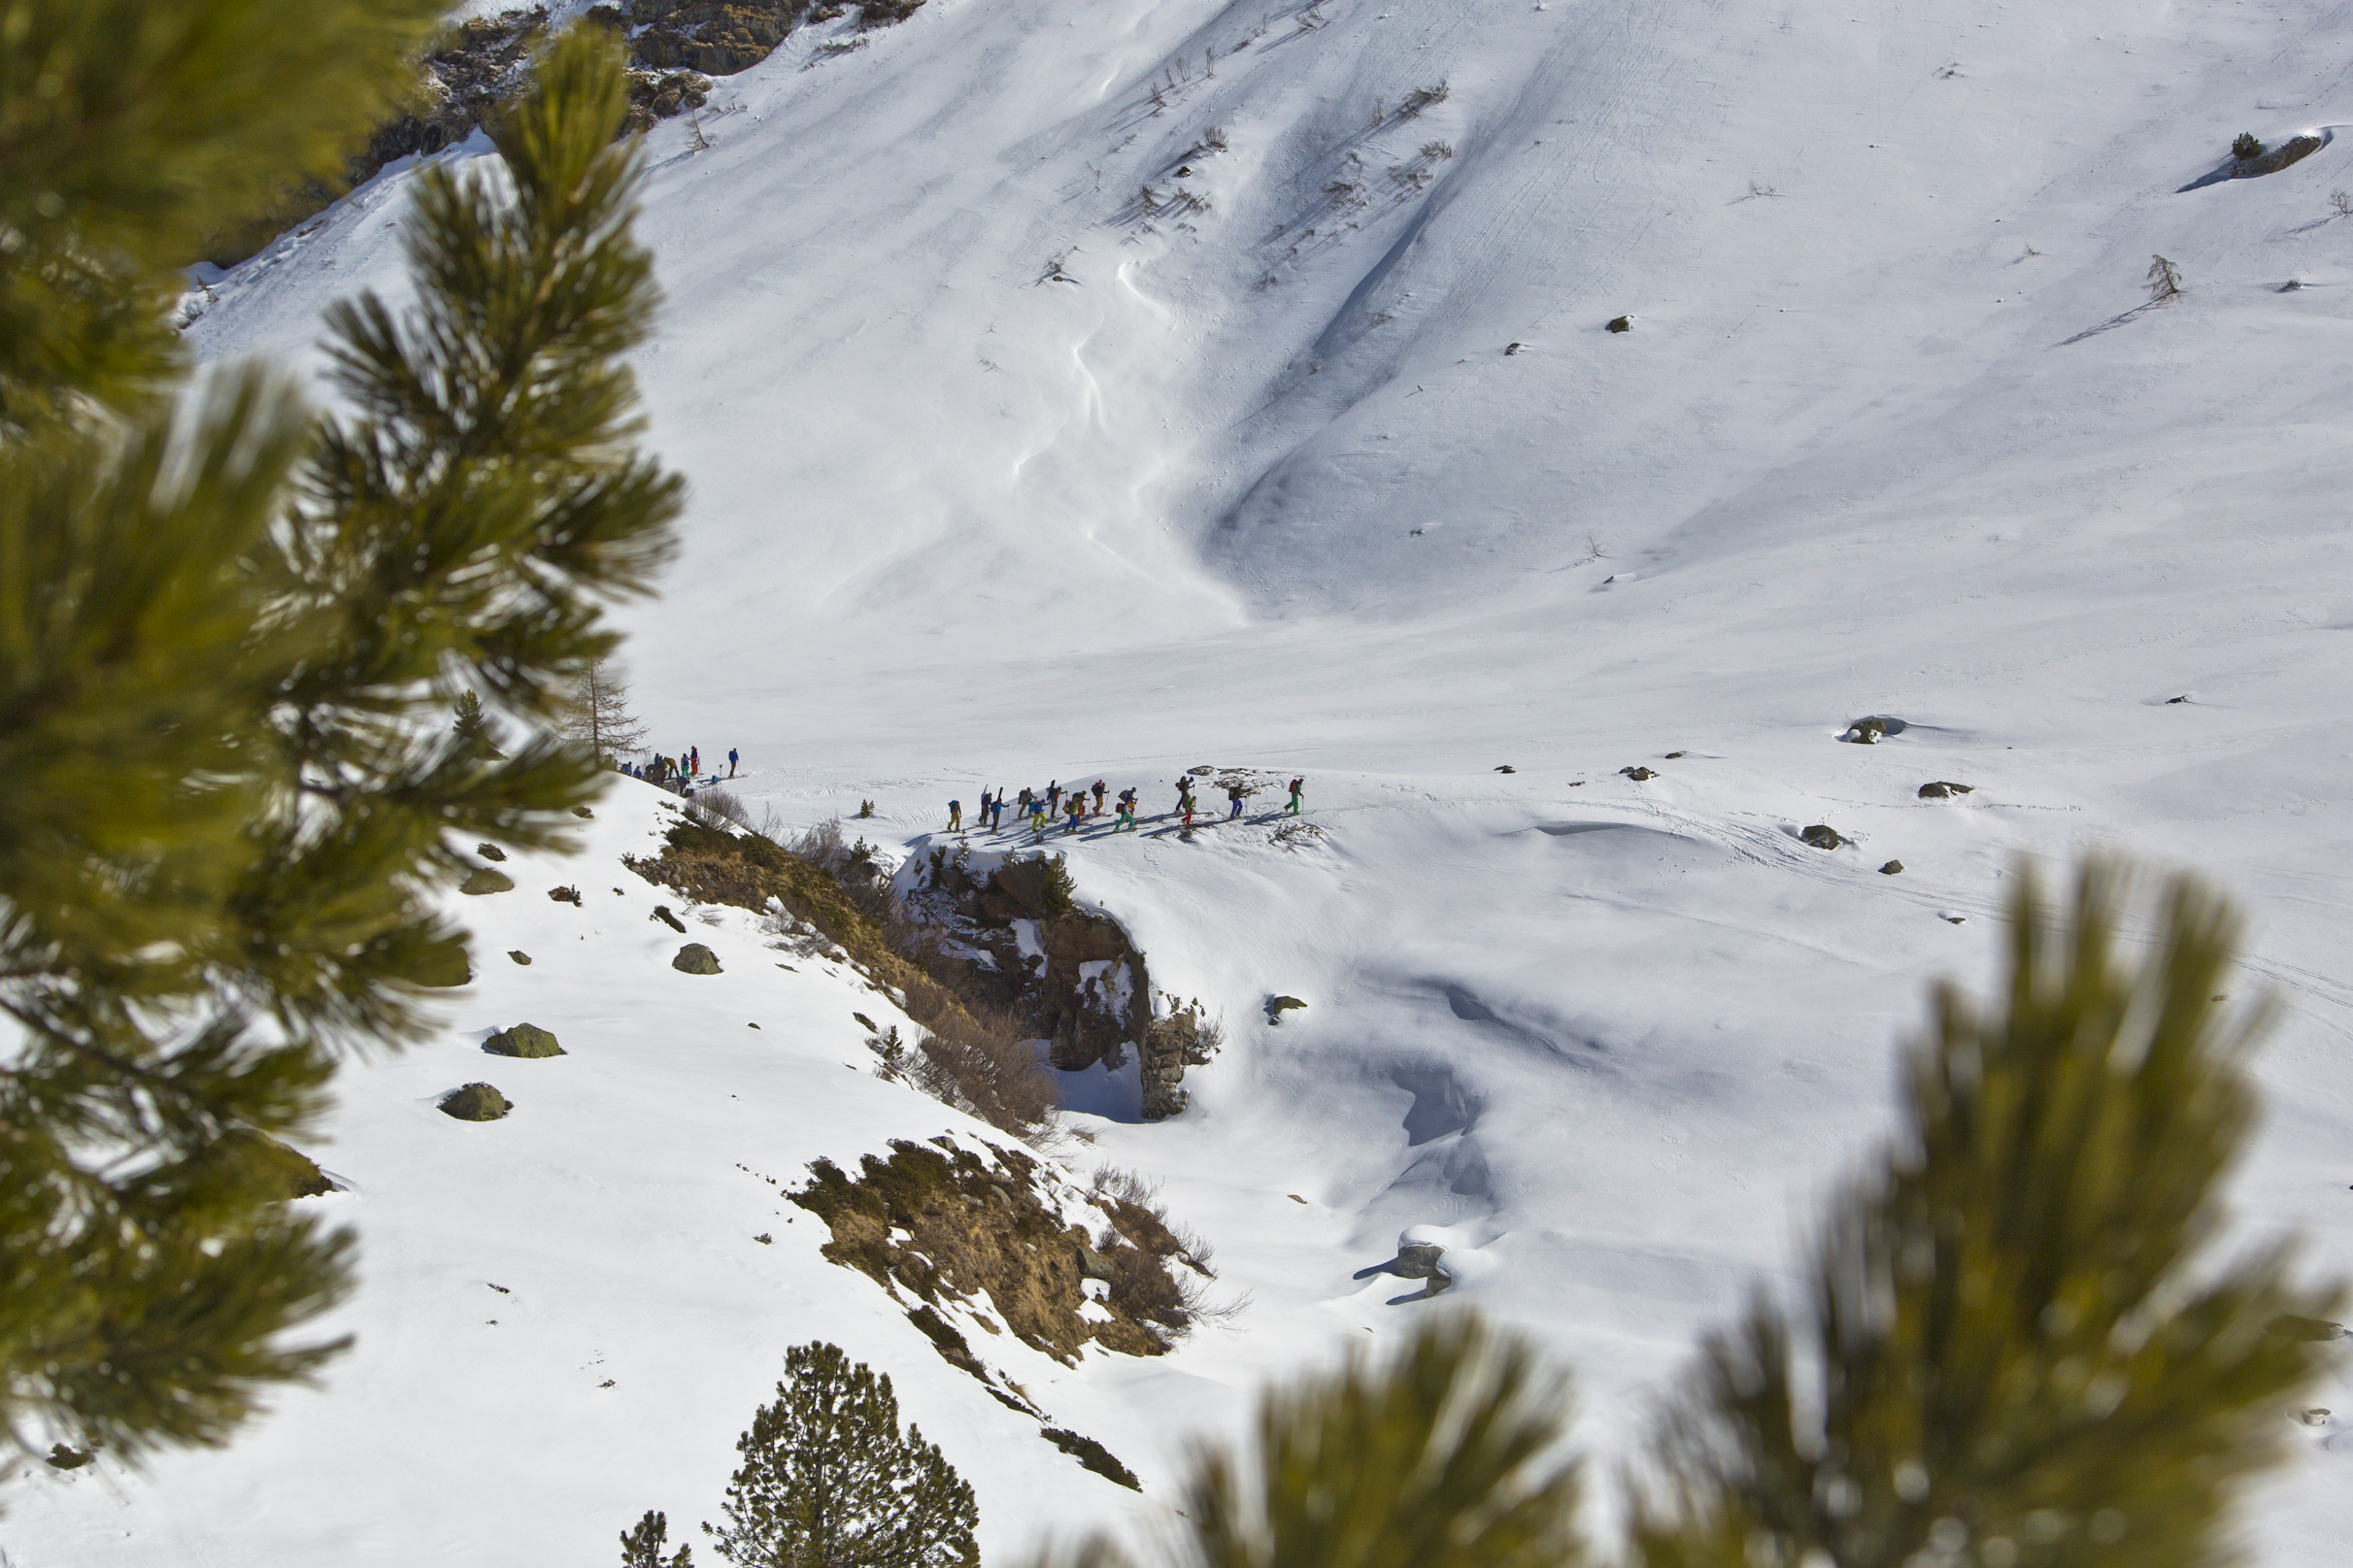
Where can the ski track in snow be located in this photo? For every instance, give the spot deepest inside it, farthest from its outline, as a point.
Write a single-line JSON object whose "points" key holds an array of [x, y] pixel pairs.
{"points": [[1244, 496]]}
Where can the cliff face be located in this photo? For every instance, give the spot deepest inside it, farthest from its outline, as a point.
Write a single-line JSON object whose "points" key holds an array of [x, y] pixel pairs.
{"points": [[1075, 974]]}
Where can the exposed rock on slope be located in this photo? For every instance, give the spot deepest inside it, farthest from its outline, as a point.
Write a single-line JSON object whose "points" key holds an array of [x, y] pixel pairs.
{"points": [[957, 1231]]}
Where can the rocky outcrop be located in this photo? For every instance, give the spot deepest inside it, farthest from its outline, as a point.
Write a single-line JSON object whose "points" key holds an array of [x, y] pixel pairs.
{"points": [[956, 1229]]}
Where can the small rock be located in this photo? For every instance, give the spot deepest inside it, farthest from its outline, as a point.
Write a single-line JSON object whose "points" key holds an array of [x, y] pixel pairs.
{"points": [[2290, 287], [1277, 1006], [1945, 789], [489, 851], [1184, 171], [1620, 323], [1506, 768], [1638, 775], [695, 960], [2171, 701], [1864, 732], [476, 1102], [526, 1040], [1513, 348], [1822, 836], [61, 1458], [1418, 1260], [484, 879], [1672, 755], [519, 955], [661, 913], [582, 811], [1093, 1265], [764, 1238], [1294, 1197], [864, 1022], [565, 895], [750, 1026], [1893, 868]]}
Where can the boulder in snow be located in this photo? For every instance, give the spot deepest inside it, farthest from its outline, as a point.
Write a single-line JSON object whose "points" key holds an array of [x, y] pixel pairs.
{"points": [[1945, 789], [695, 960], [476, 1102], [527, 1039], [484, 880], [1822, 836]]}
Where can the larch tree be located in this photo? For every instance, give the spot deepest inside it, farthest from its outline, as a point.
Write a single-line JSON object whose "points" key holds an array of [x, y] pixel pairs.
{"points": [[231, 632], [600, 716]]}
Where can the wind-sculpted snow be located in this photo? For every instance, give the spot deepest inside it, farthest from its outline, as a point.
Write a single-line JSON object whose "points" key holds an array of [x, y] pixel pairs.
{"points": [[1021, 454]]}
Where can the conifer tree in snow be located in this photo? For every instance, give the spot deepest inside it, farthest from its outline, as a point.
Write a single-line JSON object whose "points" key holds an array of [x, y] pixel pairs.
{"points": [[828, 1480], [231, 632], [600, 716], [641, 1546], [473, 730]]}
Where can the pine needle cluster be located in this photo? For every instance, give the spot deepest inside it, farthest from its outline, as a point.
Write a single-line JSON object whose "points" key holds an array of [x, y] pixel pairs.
{"points": [[2023, 1345], [231, 633]]}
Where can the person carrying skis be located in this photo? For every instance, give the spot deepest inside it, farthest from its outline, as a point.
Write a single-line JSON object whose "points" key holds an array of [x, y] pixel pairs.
{"points": [[1235, 793], [1098, 797], [996, 813], [731, 762], [1296, 785], [1024, 799], [956, 815]]}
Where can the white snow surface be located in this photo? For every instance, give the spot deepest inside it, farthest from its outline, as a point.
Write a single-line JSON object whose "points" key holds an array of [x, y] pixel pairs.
{"points": [[1260, 487]]}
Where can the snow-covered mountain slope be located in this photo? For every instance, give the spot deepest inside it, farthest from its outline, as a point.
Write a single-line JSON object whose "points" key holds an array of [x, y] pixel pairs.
{"points": [[1019, 453]]}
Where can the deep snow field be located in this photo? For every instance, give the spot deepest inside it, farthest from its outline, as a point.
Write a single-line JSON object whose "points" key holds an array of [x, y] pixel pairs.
{"points": [[1260, 486]]}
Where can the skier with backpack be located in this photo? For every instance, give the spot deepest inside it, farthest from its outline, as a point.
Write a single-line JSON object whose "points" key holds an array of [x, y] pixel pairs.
{"points": [[1076, 812], [1296, 785], [1235, 793], [731, 762], [1098, 797], [956, 815]]}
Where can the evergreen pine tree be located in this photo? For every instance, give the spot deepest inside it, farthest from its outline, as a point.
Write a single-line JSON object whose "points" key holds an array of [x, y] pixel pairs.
{"points": [[641, 1548], [1442, 1457], [2019, 1347], [229, 635], [473, 730], [828, 1480]]}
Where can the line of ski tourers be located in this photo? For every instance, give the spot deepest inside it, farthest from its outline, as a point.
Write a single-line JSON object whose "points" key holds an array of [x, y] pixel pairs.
{"points": [[1042, 808]]}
